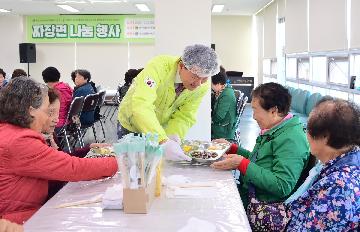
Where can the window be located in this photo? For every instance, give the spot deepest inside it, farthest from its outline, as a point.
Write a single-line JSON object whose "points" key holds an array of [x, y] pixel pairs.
{"points": [[266, 67], [357, 99], [305, 87], [339, 94], [355, 70], [292, 84], [291, 68], [273, 66], [303, 68], [318, 69], [322, 91], [270, 68], [339, 70]]}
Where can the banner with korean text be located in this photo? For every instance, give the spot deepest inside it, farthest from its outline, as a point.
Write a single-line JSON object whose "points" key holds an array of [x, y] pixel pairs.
{"points": [[90, 28]]}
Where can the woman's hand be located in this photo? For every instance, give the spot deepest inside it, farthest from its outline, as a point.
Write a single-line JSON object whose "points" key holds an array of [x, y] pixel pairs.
{"points": [[6, 226], [98, 145], [232, 161], [220, 141]]}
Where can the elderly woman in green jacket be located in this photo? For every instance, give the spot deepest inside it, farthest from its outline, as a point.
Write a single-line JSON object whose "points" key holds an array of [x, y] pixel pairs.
{"points": [[223, 114], [281, 151]]}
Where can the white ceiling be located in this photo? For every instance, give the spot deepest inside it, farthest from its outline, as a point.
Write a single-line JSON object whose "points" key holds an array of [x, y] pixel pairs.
{"points": [[36, 7]]}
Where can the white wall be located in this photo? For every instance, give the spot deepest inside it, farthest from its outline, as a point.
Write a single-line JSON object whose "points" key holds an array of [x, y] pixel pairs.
{"points": [[233, 39], [12, 34], [107, 63], [190, 23]]}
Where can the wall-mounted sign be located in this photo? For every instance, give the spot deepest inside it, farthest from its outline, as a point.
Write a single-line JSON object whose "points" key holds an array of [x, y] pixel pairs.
{"points": [[90, 28]]}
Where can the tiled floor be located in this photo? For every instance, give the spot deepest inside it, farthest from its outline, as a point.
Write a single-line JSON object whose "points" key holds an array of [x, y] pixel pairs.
{"points": [[249, 129]]}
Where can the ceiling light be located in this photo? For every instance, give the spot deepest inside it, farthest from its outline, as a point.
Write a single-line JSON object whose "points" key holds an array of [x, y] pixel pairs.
{"points": [[70, 1], [106, 1], [4, 11], [142, 7], [68, 8], [217, 8]]}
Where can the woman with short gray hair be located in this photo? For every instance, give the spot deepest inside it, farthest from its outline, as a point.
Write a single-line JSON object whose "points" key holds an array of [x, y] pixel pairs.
{"points": [[329, 198], [27, 163]]}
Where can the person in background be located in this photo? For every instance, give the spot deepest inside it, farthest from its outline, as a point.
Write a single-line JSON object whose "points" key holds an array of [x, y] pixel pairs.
{"points": [[165, 96], [82, 78], [51, 77], [7, 226], [329, 200], [223, 114], [3, 81], [18, 73], [129, 76], [280, 154], [27, 163]]}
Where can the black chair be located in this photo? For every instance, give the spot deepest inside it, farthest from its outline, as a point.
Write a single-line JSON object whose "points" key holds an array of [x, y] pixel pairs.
{"points": [[99, 117], [305, 172], [240, 110], [71, 128], [115, 101], [90, 103]]}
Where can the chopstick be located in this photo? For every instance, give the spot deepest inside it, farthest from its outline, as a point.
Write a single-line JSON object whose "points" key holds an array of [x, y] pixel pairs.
{"points": [[79, 203]]}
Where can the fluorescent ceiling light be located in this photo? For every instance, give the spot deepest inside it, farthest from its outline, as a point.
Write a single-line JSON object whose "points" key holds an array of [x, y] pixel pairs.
{"points": [[68, 8], [4, 11], [217, 8], [70, 1], [142, 7], [106, 1]]}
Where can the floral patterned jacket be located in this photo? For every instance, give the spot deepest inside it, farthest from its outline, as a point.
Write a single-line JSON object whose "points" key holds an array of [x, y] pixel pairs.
{"points": [[332, 203]]}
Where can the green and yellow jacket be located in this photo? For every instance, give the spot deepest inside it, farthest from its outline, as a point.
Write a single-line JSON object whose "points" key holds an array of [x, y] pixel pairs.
{"points": [[280, 156], [223, 115], [150, 105]]}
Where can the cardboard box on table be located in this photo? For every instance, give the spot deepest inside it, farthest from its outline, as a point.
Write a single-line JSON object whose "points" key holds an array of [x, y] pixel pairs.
{"points": [[140, 200]]}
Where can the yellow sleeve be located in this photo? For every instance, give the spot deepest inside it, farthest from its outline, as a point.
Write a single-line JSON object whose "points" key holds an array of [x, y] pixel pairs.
{"points": [[185, 116], [142, 101]]}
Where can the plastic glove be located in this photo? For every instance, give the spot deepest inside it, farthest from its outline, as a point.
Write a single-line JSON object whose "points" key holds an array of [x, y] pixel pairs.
{"points": [[174, 152], [175, 138]]}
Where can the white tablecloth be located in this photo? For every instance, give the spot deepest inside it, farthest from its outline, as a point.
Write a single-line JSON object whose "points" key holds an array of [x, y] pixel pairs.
{"points": [[224, 209]]}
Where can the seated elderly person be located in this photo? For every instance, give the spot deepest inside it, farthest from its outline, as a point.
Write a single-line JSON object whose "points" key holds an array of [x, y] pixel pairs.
{"points": [[223, 114], [281, 151], [27, 163], [84, 87], [329, 200]]}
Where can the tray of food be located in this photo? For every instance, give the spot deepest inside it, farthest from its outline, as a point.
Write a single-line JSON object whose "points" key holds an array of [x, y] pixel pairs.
{"points": [[99, 152], [204, 152]]}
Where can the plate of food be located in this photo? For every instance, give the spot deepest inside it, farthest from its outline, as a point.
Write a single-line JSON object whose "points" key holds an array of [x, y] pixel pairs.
{"points": [[99, 152], [204, 152]]}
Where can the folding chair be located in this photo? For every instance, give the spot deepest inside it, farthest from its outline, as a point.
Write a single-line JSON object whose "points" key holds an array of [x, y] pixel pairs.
{"points": [[113, 107], [90, 103], [241, 107], [72, 125], [100, 103]]}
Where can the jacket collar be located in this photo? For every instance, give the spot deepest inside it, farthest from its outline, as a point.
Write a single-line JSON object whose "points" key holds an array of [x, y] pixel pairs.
{"points": [[276, 130], [351, 158]]}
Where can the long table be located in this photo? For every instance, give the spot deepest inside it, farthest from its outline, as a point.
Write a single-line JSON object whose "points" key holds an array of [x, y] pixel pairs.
{"points": [[223, 209]]}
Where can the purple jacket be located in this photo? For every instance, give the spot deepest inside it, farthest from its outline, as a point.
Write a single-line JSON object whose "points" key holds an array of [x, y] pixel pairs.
{"points": [[65, 100]]}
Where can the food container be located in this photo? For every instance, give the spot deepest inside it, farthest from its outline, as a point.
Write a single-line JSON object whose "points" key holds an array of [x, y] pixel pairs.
{"points": [[204, 152]]}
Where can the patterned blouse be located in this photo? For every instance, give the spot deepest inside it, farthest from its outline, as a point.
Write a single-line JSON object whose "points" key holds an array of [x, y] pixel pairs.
{"points": [[332, 203]]}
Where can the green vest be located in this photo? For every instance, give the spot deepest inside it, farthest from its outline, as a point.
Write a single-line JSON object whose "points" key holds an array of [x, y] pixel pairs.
{"points": [[150, 105]]}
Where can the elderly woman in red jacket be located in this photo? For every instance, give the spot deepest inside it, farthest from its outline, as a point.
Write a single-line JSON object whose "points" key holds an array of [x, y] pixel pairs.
{"points": [[27, 163]]}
